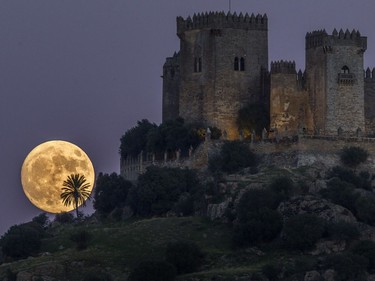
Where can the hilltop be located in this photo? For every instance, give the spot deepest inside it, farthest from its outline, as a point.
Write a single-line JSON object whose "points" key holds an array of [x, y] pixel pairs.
{"points": [[251, 227]]}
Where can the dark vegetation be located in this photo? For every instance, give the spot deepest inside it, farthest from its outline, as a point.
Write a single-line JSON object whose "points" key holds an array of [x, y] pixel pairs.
{"points": [[233, 157], [168, 137], [353, 156], [166, 240], [252, 117]]}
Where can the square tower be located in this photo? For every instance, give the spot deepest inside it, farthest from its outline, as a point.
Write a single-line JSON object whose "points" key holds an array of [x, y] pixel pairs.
{"points": [[335, 81]]}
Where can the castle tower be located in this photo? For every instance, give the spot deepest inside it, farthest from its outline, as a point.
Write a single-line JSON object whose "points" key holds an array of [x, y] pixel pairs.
{"points": [[222, 60], [171, 83], [335, 81]]}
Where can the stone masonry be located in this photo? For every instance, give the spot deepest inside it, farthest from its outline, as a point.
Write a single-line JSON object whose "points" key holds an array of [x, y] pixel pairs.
{"points": [[222, 66]]}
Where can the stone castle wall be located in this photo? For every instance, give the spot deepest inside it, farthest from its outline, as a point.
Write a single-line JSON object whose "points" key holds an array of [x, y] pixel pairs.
{"points": [[289, 108], [222, 60], [370, 101]]}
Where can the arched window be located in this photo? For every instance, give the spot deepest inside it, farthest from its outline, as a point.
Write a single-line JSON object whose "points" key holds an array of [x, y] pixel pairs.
{"points": [[242, 64], [239, 64], [236, 64], [345, 69]]}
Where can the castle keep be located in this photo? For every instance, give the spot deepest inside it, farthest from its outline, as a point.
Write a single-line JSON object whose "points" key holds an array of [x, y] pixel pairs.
{"points": [[222, 66]]}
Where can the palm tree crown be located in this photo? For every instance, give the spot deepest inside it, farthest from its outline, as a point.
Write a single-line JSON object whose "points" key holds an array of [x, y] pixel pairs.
{"points": [[75, 191]]}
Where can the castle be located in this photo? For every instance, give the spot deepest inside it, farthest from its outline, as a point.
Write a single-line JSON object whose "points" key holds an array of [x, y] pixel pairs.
{"points": [[222, 66]]}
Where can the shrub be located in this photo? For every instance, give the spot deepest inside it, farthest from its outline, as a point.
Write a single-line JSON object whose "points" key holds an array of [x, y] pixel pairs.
{"points": [[365, 207], [341, 193], [111, 192], [159, 189], [81, 238], [20, 241], [185, 256], [252, 117], [254, 200], [347, 266], [272, 271], [301, 232], [153, 271], [41, 220], [366, 249], [135, 139], [353, 156], [261, 226], [283, 187], [342, 231], [64, 218], [235, 156], [363, 180]]}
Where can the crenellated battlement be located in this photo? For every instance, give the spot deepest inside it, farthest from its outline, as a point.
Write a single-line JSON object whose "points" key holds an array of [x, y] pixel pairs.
{"points": [[172, 61], [337, 38], [218, 20], [285, 67], [369, 74]]}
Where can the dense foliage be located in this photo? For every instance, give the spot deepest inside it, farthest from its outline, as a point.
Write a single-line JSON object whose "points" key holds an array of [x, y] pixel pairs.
{"points": [[234, 156], [252, 118], [153, 271], [111, 192], [186, 256], [347, 266], [301, 232], [353, 156], [257, 219], [160, 189], [168, 137], [81, 239], [135, 139], [21, 241]]}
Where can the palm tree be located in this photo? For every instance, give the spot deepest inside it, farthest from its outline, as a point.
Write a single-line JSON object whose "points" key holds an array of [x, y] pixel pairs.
{"points": [[75, 190]]}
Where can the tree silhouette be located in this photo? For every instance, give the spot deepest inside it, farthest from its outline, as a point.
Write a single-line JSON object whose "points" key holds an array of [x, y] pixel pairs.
{"points": [[75, 191]]}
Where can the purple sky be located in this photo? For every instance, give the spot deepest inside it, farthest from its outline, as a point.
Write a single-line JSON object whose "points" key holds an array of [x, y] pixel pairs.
{"points": [[86, 71]]}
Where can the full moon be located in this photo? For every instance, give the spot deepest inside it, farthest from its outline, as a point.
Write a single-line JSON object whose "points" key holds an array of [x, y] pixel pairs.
{"points": [[45, 169]]}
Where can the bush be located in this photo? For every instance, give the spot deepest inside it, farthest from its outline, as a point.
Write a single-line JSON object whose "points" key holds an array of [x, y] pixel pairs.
{"points": [[261, 226], [347, 266], [272, 271], [153, 271], [21, 241], [159, 189], [365, 207], [135, 139], [235, 156], [252, 117], [363, 180], [254, 200], [81, 238], [41, 220], [301, 232], [111, 192], [342, 231], [366, 249], [64, 218], [283, 187], [341, 193], [185, 256], [353, 156]]}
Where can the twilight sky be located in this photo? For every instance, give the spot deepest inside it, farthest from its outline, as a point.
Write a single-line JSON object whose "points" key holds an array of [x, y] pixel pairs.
{"points": [[86, 71]]}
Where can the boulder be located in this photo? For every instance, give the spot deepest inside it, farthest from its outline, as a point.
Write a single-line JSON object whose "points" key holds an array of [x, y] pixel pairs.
{"points": [[325, 247], [312, 276], [317, 206]]}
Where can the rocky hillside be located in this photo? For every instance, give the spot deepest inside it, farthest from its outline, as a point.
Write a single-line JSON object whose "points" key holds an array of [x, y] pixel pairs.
{"points": [[337, 204]]}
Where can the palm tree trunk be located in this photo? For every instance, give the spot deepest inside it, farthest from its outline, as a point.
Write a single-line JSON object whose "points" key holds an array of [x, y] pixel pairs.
{"points": [[76, 203]]}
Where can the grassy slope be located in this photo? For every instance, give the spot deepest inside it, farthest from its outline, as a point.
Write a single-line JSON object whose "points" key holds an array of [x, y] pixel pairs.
{"points": [[117, 247]]}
